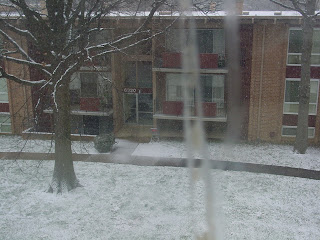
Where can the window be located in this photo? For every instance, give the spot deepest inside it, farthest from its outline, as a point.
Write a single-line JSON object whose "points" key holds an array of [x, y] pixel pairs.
{"points": [[139, 74], [174, 86], [89, 84], [90, 125], [291, 99], [291, 131], [138, 108], [3, 90], [209, 41], [212, 86], [97, 38], [295, 47], [5, 123], [213, 89], [100, 37]]}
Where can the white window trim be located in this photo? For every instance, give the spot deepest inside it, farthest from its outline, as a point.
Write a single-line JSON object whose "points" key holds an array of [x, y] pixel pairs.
{"points": [[293, 136], [284, 97], [315, 54]]}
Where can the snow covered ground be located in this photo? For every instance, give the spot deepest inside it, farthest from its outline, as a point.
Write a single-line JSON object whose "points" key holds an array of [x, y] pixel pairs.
{"points": [[17, 144], [269, 154], [132, 202]]}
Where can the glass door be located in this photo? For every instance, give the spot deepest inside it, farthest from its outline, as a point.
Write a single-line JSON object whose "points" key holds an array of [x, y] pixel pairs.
{"points": [[138, 108]]}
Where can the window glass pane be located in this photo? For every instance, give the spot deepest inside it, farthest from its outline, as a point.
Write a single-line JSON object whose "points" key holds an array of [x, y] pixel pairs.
{"points": [[91, 125], [174, 87], [311, 132], [75, 82], [145, 74], [5, 119], [315, 59], [106, 125], [145, 103], [206, 85], [314, 86], [145, 109], [175, 90], [4, 97], [218, 42], [291, 107], [173, 41], [295, 46], [3, 90], [100, 37], [76, 124], [295, 41], [218, 90], [89, 84], [292, 131], [294, 108], [105, 89], [5, 123], [295, 59], [3, 85], [289, 131], [130, 108], [131, 70], [292, 91], [316, 41], [6, 128], [205, 38], [312, 108]]}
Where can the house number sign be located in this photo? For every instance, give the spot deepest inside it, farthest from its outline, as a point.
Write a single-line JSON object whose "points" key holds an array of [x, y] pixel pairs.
{"points": [[131, 90], [137, 90]]}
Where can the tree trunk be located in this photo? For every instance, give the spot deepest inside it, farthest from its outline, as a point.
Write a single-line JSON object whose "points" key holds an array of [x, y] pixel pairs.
{"points": [[64, 178], [301, 143]]}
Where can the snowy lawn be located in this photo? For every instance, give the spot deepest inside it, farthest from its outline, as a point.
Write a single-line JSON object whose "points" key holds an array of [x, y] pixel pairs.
{"points": [[269, 154], [132, 202], [17, 144]]}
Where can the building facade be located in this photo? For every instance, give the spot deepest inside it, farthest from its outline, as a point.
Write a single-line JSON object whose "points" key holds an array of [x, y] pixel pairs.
{"points": [[142, 89]]}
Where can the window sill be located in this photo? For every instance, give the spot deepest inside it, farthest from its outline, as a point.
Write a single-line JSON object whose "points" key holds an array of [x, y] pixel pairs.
{"points": [[201, 70]]}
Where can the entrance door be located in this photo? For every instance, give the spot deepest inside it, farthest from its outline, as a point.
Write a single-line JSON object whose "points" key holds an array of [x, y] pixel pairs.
{"points": [[138, 108]]}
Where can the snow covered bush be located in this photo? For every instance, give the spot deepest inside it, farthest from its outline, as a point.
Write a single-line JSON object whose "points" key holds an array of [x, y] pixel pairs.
{"points": [[104, 142]]}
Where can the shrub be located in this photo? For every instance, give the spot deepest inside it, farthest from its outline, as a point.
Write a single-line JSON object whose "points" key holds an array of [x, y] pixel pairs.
{"points": [[104, 142]]}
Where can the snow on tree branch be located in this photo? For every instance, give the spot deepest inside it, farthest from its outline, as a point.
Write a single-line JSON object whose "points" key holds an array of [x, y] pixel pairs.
{"points": [[20, 80], [21, 32]]}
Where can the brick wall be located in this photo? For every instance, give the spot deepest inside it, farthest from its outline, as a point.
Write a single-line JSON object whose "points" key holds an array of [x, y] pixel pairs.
{"points": [[267, 81], [20, 101]]}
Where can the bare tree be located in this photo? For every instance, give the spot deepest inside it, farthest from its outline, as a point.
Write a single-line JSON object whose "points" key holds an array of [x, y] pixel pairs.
{"points": [[307, 9], [60, 30]]}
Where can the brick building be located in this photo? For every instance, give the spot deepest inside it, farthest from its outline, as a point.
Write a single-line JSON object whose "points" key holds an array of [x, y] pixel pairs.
{"points": [[142, 89]]}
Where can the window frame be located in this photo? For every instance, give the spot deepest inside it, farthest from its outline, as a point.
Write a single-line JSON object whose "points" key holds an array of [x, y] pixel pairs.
{"points": [[297, 103], [309, 128], [299, 54]]}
